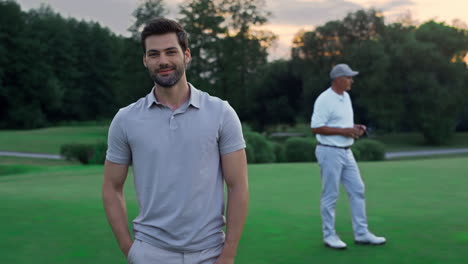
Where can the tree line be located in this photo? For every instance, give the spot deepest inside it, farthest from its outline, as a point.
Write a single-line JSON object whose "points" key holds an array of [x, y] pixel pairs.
{"points": [[412, 78]]}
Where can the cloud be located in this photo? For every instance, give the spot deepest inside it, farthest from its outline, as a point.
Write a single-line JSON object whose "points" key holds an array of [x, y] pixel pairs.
{"points": [[392, 5], [384, 5], [114, 14], [310, 13], [392, 9], [289, 16]]}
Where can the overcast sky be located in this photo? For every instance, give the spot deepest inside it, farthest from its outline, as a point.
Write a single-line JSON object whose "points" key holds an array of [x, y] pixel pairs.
{"points": [[289, 16]]}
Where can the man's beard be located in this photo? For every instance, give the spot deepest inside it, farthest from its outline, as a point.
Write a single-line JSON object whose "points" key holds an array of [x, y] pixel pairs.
{"points": [[170, 80]]}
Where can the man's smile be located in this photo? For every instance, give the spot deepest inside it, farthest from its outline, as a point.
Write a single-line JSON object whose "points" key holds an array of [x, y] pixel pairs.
{"points": [[165, 71]]}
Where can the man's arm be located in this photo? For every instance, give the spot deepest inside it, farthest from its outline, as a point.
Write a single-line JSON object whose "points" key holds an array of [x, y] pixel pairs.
{"points": [[114, 203], [235, 174], [352, 132]]}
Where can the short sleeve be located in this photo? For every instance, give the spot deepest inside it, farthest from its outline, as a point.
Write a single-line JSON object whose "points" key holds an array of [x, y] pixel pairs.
{"points": [[118, 149], [320, 114], [230, 137]]}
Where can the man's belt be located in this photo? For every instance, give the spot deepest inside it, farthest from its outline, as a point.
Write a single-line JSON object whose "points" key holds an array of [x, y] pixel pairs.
{"points": [[347, 147]]}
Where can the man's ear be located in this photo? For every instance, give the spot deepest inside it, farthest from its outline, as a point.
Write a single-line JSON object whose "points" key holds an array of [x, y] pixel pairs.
{"points": [[144, 60], [188, 56]]}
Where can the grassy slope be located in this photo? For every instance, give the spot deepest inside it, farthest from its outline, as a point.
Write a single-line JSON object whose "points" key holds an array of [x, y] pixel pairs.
{"points": [[49, 140], [56, 216]]}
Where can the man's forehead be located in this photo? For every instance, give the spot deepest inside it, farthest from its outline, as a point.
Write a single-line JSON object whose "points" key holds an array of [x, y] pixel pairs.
{"points": [[344, 77], [162, 42]]}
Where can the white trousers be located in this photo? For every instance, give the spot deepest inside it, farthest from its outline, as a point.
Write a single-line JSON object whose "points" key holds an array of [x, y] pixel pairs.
{"points": [[144, 253], [339, 166]]}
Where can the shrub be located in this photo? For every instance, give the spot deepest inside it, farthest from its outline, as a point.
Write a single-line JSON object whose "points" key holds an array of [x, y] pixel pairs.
{"points": [[278, 149], [299, 149], [246, 128], [356, 152], [368, 149], [80, 152], [261, 150], [99, 153], [249, 151], [85, 153]]}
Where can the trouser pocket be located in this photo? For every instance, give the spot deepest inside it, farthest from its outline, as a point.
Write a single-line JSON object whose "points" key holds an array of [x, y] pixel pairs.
{"points": [[131, 251]]}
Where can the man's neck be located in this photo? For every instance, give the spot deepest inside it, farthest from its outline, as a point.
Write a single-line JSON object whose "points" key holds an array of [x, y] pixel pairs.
{"points": [[175, 96], [337, 90]]}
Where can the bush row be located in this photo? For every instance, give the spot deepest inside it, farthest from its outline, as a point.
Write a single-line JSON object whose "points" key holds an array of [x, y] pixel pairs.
{"points": [[259, 150], [301, 149], [368, 150]]}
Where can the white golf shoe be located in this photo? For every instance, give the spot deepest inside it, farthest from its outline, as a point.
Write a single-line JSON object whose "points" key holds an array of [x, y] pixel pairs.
{"points": [[334, 242], [369, 239]]}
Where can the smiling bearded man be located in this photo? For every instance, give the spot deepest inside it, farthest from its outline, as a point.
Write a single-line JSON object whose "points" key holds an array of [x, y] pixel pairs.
{"points": [[183, 145]]}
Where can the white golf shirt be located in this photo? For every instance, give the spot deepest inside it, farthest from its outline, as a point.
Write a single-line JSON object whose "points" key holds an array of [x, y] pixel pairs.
{"points": [[333, 110]]}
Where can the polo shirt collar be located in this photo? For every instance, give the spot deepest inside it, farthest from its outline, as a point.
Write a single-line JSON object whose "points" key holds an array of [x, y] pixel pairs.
{"points": [[339, 96], [194, 97], [151, 99]]}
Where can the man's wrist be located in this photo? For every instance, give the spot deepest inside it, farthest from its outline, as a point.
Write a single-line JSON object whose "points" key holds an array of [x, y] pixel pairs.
{"points": [[225, 259], [343, 132], [125, 247], [229, 250]]}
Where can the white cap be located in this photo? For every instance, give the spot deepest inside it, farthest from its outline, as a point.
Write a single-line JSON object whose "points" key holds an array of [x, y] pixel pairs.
{"points": [[342, 70]]}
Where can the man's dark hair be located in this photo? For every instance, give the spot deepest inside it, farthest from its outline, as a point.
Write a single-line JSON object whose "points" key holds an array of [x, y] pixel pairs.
{"points": [[161, 26]]}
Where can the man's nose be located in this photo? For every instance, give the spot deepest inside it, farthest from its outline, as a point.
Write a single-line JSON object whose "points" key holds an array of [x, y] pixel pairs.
{"points": [[163, 60]]}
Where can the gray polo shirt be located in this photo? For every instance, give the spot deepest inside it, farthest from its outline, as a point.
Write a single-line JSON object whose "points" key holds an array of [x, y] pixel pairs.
{"points": [[177, 170]]}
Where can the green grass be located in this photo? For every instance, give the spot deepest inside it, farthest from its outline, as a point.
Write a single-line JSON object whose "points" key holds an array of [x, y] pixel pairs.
{"points": [[17, 165], [16, 169], [49, 140], [56, 215]]}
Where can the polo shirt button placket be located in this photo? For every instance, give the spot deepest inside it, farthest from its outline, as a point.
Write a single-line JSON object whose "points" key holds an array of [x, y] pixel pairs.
{"points": [[172, 123]]}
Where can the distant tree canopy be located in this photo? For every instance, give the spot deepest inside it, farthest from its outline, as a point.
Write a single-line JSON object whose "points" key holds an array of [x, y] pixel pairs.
{"points": [[53, 68], [412, 78]]}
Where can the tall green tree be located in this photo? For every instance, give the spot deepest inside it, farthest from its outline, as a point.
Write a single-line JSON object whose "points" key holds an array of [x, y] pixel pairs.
{"points": [[437, 83], [55, 43], [131, 80], [146, 10], [451, 42], [227, 47], [245, 50], [354, 40], [11, 25], [277, 96], [204, 22], [34, 92], [50, 71]]}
